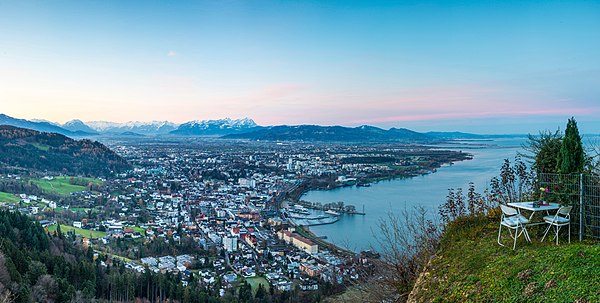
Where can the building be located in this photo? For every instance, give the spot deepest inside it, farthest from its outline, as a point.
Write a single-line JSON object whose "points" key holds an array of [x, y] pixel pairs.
{"points": [[249, 183], [298, 241], [230, 243]]}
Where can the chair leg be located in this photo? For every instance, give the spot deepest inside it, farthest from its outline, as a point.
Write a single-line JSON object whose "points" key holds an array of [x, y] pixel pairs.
{"points": [[546, 232], [500, 231], [557, 230], [527, 237], [516, 236], [569, 232]]}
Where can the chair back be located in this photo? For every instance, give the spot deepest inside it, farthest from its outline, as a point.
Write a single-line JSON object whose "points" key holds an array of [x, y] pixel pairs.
{"points": [[508, 211], [564, 211]]}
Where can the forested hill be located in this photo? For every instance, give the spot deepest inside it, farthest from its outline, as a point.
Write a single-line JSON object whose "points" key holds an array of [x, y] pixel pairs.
{"points": [[50, 152], [363, 133]]}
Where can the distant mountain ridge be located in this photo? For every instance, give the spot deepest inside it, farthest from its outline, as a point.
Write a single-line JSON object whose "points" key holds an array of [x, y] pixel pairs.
{"points": [[244, 128], [52, 152], [41, 126], [332, 134], [144, 128], [78, 126], [216, 127]]}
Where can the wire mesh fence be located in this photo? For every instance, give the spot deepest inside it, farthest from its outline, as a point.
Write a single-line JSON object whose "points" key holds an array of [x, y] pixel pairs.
{"points": [[582, 191], [591, 205]]}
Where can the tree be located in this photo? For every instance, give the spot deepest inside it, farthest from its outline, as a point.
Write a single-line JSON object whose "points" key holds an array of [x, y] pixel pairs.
{"points": [[543, 151], [261, 293], [571, 157], [515, 183]]}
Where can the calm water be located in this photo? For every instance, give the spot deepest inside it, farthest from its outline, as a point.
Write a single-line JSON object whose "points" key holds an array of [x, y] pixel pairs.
{"points": [[357, 232]]}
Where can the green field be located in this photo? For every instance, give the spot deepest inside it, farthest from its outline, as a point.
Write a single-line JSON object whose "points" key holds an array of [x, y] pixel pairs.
{"points": [[41, 146], [9, 198], [83, 232], [62, 186], [137, 229]]}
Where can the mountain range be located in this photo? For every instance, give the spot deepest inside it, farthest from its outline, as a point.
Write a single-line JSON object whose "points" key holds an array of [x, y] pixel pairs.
{"points": [[39, 125], [78, 128], [216, 127], [228, 128], [144, 128]]}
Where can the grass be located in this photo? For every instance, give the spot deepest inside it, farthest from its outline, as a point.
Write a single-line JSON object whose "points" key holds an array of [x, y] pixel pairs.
{"points": [[471, 267], [83, 232], [42, 147], [136, 229], [9, 198], [62, 186], [255, 281]]}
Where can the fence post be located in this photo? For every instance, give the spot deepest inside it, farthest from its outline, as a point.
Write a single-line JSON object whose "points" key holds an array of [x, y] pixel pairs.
{"points": [[581, 217]]}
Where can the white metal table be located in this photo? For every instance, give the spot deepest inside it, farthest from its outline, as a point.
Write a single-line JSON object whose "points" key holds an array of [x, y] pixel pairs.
{"points": [[529, 207]]}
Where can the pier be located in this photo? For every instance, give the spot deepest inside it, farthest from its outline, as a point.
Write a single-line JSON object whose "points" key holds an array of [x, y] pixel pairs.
{"points": [[337, 207]]}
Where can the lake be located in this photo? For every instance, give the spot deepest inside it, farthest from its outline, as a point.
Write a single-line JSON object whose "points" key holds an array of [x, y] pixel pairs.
{"points": [[356, 232]]}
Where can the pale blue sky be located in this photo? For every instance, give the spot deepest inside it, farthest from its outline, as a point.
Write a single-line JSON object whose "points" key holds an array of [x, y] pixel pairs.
{"points": [[478, 66]]}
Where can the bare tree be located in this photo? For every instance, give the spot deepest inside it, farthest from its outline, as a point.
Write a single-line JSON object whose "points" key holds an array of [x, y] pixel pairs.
{"points": [[408, 240], [7, 297]]}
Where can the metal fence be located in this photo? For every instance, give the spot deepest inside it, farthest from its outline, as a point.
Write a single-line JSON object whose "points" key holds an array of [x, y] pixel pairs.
{"points": [[582, 191]]}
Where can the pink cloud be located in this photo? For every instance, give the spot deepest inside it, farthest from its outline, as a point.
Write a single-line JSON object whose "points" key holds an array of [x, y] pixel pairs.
{"points": [[277, 91]]}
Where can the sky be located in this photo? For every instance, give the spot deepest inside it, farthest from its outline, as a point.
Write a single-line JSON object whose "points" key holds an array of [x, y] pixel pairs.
{"points": [[474, 66]]}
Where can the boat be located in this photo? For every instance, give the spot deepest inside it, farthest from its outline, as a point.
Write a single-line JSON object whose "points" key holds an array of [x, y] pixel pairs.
{"points": [[299, 209], [331, 212]]}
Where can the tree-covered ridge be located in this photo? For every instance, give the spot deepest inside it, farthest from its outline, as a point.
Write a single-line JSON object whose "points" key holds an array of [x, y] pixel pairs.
{"points": [[33, 150]]}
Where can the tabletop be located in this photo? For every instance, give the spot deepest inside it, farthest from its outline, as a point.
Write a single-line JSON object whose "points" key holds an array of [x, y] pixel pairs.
{"points": [[529, 206]]}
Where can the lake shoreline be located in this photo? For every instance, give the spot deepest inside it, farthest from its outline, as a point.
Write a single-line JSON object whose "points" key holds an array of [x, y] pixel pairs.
{"points": [[399, 193], [300, 191]]}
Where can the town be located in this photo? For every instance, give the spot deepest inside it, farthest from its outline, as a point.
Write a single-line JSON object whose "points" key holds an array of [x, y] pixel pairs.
{"points": [[222, 211]]}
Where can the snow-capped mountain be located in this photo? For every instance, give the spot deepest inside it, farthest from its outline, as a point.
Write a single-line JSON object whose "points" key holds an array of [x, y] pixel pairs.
{"points": [[44, 121], [216, 127], [78, 125], [146, 128]]}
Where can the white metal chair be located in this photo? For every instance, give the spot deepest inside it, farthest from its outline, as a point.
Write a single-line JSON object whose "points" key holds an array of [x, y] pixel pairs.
{"points": [[560, 219], [513, 220]]}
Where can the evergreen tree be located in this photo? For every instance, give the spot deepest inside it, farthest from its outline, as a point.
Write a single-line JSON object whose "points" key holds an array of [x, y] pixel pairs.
{"points": [[571, 157], [58, 231], [261, 294]]}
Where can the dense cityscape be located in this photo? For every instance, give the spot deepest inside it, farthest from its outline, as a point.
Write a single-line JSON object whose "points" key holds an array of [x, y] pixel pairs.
{"points": [[222, 211]]}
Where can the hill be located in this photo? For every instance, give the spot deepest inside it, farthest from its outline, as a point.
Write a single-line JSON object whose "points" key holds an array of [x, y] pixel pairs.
{"points": [[42, 126], [51, 152], [332, 134], [471, 267]]}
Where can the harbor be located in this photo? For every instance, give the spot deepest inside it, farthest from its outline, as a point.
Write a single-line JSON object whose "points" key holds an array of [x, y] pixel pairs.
{"points": [[309, 215]]}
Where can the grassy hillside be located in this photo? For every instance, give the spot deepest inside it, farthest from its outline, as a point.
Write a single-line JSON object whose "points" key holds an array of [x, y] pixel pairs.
{"points": [[83, 232], [471, 267], [62, 185], [9, 198]]}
